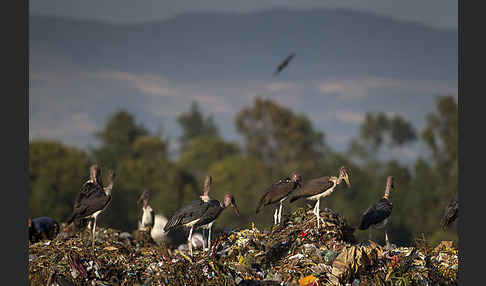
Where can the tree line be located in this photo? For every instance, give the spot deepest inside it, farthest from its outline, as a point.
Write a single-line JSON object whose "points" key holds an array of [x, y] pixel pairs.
{"points": [[276, 141]]}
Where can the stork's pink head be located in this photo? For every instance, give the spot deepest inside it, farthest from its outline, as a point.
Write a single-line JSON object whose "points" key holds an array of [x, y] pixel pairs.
{"points": [[296, 177], [389, 182], [344, 174], [229, 200], [95, 173]]}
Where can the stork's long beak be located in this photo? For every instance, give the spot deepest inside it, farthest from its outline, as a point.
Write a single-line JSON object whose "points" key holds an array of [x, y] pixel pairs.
{"points": [[346, 179], [235, 208]]}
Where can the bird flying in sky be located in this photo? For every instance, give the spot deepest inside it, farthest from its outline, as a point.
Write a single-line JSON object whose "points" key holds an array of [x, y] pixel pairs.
{"points": [[284, 64]]}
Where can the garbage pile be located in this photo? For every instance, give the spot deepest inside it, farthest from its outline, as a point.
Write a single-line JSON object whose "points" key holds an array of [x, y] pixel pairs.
{"points": [[292, 253]]}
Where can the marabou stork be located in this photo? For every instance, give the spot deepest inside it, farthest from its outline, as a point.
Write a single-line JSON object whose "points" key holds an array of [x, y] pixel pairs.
{"points": [[92, 200], [284, 64], [279, 192], [146, 215], [94, 182], [318, 188], [378, 214], [202, 214], [451, 212]]}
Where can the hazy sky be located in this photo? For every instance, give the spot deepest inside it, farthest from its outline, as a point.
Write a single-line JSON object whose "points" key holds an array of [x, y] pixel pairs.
{"points": [[437, 13]]}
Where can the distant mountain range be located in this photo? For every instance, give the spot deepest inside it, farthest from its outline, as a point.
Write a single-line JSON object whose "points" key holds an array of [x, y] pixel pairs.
{"points": [[346, 63]]}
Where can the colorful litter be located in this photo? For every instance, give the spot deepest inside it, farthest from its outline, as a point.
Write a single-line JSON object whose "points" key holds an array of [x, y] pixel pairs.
{"points": [[293, 253]]}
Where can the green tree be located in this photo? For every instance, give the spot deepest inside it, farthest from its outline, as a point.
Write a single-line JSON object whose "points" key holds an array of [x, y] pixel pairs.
{"points": [[194, 124], [247, 179], [56, 174], [149, 147], [277, 136], [117, 137], [441, 136], [203, 151], [170, 187], [373, 129], [378, 130]]}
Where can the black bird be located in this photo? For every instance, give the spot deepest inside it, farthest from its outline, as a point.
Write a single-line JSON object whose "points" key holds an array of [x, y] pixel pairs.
{"points": [[94, 182], [451, 212], [146, 217], [42, 228], [318, 188], [199, 213], [284, 64], [279, 192], [92, 200], [378, 214]]}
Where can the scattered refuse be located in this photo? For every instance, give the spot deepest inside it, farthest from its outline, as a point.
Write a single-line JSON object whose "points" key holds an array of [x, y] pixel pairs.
{"points": [[291, 253]]}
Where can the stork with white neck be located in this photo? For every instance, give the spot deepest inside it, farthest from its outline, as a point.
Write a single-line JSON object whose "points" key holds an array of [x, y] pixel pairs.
{"points": [[378, 214], [146, 215], [318, 188]]}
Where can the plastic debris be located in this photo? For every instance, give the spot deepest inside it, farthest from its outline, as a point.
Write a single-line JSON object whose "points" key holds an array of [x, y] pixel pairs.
{"points": [[292, 253], [309, 281]]}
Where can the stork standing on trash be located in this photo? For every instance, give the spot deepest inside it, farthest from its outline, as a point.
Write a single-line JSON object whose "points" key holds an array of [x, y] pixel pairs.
{"points": [[93, 199], [146, 216], [318, 188], [199, 213], [279, 192], [378, 214]]}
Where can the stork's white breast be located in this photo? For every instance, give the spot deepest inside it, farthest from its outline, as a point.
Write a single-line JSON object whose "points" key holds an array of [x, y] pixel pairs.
{"points": [[147, 217]]}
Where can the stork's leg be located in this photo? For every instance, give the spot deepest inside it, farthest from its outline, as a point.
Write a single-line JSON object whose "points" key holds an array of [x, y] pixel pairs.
{"points": [[316, 212], [280, 213], [209, 239], [386, 240], [94, 229], [275, 217], [369, 233], [189, 240], [204, 239]]}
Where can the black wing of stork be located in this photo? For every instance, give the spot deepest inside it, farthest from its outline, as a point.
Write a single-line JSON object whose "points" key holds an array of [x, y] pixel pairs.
{"points": [[212, 212], [190, 212], [451, 212], [284, 63], [277, 191], [376, 213], [88, 190], [89, 203], [311, 188]]}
